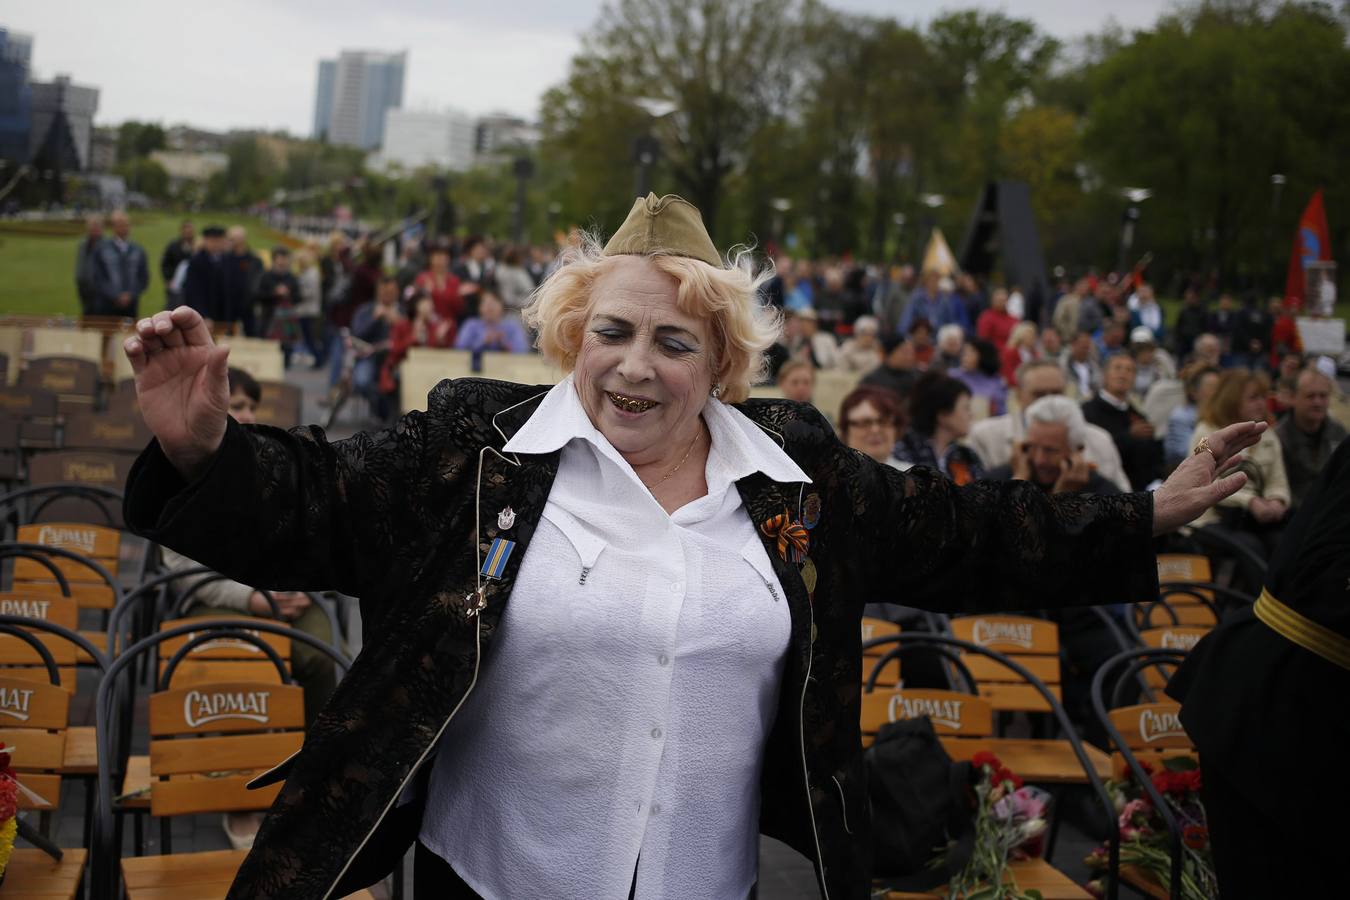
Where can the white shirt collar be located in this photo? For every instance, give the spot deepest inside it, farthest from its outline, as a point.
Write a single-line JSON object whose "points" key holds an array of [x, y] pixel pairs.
{"points": [[1122, 405], [739, 446]]}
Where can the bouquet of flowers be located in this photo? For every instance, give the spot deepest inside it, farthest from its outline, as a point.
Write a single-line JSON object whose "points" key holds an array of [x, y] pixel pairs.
{"points": [[1010, 823], [1144, 841], [9, 810]]}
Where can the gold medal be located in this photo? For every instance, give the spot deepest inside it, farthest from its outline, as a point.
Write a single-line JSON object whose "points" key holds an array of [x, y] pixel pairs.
{"points": [[809, 575]]}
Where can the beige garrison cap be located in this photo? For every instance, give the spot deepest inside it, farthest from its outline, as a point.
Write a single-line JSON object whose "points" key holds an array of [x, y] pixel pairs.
{"points": [[667, 225]]}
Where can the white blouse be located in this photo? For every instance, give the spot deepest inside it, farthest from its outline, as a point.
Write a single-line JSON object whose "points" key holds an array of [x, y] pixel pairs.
{"points": [[615, 738]]}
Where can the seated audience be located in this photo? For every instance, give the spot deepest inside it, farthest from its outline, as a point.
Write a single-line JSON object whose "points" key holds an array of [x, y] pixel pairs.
{"points": [[1020, 350], [1206, 351], [1051, 453], [920, 333], [817, 346], [1308, 436], [797, 380], [862, 352], [1113, 409], [491, 330], [940, 417], [371, 331], [1286, 384], [1200, 381], [979, 371], [871, 420], [1081, 368], [1152, 363], [312, 669], [996, 324], [898, 369], [1051, 344], [994, 438], [1255, 515]]}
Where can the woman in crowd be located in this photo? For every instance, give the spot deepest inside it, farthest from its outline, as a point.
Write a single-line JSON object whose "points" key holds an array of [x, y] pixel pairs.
{"points": [[871, 420], [1255, 515], [307, 312], [797, 380], [1021, 350], [1200, 381], [659, 534], [996, 323], [425, 328], [940, 416], [921, 336], [491, 329], [862, 352], [979, 371], [441, 285]]}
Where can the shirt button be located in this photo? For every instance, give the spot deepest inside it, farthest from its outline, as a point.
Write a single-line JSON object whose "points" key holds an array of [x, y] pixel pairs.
{"points": [[656, 733], [663, 659], [676, 587]]}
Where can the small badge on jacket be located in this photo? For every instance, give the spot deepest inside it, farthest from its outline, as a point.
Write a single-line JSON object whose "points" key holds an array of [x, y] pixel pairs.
{"points": [[497, 555]]}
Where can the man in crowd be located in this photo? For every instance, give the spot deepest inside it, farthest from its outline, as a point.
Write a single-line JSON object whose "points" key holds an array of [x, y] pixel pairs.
{"points": [[1206, 350], [372, 325], [1065, 316], [1190, 323], [892, 298], [277, 287], [951, 338], [1114, 410], [1047, 456], [996, 323], [178, 251], [122, 274], [1145, 311], [817, 347], [473, 271], [86, 265], [1308, 436], [1153, 363], [1112, 340], [1251, 335], [1080, 366], [898, 370], [204, 287], [1095, 308], [934, 301], [1222, 323], [243, 271], [995, 437]]}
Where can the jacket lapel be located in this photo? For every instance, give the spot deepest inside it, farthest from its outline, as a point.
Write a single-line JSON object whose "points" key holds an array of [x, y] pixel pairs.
{"points": [[765, 498]]}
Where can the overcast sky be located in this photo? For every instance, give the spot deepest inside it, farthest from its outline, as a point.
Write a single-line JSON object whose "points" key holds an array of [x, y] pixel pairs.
{"points": [[254, 63]]}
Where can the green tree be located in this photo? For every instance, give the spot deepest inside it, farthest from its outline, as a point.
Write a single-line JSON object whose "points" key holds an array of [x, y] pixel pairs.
{"points": [[138, 139], [146, 176]]}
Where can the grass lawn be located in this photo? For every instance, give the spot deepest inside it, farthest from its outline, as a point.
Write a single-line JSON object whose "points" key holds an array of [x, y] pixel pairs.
{"points": [[37, 272]]}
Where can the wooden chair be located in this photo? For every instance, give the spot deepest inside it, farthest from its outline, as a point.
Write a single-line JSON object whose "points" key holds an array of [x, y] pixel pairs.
{"points": [[1034, 643], [228, 658], [521, 368], [36, 409], [97, 468], [281, 404], [11, 345], [68, 342], [122, 400], [452, 363], [1143, 732], [260, 358], [206, 742], [873, 628], [109, 431], [73, 380], [831, 389]]}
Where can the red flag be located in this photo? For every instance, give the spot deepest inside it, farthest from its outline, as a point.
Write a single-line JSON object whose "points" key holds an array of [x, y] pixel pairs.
{"points": [[1312, 243]]}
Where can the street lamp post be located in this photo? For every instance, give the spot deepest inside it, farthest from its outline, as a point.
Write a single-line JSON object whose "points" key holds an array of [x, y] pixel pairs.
{"points": [[1277, 182], [1129, 222]]}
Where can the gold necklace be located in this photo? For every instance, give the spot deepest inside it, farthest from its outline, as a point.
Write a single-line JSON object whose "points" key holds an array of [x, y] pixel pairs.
{"points": [[668, 475]]}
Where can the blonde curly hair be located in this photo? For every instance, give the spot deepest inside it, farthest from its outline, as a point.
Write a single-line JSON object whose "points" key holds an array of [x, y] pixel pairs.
{"points": [[727, 298]]}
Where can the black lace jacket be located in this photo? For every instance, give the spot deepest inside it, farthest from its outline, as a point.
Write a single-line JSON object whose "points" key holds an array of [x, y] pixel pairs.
{"points": [[391, 517]]}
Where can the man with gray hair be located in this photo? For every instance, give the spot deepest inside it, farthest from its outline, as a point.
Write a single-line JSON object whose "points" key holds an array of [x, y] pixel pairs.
{"points": [[86, 265], [122, 274], [1050, 454], [994, 438], [1308, 436]]}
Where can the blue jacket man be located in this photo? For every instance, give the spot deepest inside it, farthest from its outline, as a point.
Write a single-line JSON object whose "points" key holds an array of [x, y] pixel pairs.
{"points": [[121, 274]]}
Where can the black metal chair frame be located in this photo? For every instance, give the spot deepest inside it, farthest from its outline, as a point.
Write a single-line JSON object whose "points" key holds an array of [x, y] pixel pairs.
{"points": [[95, 494], [105, 849], [1056, 710], [22, 628], [1134, 661]]}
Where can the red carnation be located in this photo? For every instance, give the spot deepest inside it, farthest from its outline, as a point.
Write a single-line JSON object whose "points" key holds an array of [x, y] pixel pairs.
{"points": [[985, 758], [1195, 836]]}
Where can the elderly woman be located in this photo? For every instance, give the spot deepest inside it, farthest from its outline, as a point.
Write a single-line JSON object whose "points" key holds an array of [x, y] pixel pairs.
{"points": [[612, 625], [871, 420]]}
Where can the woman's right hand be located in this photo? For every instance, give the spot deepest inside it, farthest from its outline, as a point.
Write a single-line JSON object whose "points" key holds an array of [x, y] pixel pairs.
{"points": [[182, 386]]}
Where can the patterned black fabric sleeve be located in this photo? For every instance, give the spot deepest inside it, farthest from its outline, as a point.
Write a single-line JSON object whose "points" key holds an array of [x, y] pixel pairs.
{"points": [[999, 545], [287, 509]]}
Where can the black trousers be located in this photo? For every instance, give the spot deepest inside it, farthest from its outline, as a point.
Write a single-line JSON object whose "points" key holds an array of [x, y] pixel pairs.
{"points": [[434, 879], [1257, 856]]}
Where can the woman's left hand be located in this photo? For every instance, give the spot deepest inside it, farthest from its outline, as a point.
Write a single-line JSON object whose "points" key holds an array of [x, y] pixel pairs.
{"points": [[1193, 488]]}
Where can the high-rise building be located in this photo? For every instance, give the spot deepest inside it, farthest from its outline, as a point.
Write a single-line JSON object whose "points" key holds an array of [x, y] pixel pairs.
{"points": [[63, 122], [354, 92], [414, 138], [16, 98]]}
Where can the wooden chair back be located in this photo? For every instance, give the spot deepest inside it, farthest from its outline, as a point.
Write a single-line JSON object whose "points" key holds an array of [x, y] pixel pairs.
{"points": [[11, 345], [96, 467], [873, 628], [522, 368], [37, 412], [831, 389], [260, 358], [99, 543], [223, 659], [280, 405], [1187, 567], [73, 380], [951, 712], [1168, 637], [207, 741], [70, 342], [20, 661], [1034, 643], [123, 400], [33, 720], [1153, 733], [121, 432]]}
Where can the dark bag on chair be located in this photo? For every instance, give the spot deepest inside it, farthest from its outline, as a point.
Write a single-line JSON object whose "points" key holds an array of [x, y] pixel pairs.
{"points": [[920, 804]]}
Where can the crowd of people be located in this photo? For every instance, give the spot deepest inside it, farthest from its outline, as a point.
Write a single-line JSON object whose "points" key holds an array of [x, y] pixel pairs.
{"points": [[1101, 391]]}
